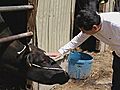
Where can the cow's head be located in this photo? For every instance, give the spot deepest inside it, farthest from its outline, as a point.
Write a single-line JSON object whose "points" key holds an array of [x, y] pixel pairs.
{"points": [[44, 69]]}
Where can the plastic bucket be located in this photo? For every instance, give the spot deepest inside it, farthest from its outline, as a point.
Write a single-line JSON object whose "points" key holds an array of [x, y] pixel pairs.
{"points": [[79, 65]]}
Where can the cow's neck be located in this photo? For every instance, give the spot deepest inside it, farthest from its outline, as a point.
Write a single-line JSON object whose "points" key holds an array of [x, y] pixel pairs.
{"points": [[4, 32]]}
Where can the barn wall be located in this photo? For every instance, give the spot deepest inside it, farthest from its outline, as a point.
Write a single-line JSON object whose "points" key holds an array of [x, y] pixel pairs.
{"points": [[53, 23]]}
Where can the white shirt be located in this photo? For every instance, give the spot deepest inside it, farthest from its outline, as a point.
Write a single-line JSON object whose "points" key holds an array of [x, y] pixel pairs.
{"points": [[109, 33]]}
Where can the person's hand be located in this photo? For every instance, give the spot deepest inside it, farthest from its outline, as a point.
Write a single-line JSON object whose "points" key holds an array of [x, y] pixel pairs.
{"points": [[54, 55]]}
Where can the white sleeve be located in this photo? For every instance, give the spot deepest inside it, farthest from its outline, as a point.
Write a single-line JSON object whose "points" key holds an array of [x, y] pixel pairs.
{"points": [[76, 41]]}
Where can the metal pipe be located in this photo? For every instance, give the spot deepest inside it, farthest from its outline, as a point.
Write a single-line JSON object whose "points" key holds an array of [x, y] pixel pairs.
{"points": [[15, 37], [15, 8]]}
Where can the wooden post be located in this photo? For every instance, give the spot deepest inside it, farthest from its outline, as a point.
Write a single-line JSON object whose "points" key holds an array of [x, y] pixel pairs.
{"points": [[31, 25]]}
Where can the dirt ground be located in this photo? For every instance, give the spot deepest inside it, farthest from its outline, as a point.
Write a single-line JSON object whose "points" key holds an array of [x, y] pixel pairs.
{"points": [[99, 79]]}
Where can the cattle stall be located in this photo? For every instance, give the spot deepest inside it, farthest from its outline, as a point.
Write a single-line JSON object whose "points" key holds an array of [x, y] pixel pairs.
{"points": [[51, 23], [21, 61], [17, 22]]}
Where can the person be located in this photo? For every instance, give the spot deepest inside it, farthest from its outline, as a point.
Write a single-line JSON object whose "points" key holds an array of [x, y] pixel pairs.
{"points": [[103, 26]]}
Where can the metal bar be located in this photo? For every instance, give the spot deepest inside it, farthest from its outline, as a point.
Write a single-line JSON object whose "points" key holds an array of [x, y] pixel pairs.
{"points": [[15, 37], [15, 8]]}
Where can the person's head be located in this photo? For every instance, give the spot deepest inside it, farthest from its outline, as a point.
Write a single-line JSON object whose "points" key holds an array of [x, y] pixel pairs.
{"points": [[88, 21]]}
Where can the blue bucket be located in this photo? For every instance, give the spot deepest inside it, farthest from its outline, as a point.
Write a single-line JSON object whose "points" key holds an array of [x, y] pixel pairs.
{"points": [[79, 65]]}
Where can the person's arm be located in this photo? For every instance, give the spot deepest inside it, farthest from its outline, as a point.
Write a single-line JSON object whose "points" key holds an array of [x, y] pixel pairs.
{"points": [[76, 41]]}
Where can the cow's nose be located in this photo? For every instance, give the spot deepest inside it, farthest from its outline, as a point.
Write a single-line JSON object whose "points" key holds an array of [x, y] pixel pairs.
{"points": [[61, 78]]}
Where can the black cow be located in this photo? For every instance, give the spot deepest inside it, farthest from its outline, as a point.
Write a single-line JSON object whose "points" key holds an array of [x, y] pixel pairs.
{"points": [[31, 63], [87, 4], [20, 62], [117, 5], [44, 69]]}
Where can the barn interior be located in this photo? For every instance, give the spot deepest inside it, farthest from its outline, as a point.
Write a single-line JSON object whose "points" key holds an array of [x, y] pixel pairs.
{"points": [[16, 20], [17, 23]]}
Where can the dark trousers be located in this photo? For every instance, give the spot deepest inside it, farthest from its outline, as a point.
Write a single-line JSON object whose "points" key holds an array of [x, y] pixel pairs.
{"points": [[116, 72]]}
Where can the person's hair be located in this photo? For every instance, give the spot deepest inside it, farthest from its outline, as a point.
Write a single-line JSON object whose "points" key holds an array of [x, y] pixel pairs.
{"points": [[86, 19]]}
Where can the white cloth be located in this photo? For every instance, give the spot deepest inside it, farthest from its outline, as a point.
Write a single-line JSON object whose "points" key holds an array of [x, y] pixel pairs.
{"points": [[109, 33]]}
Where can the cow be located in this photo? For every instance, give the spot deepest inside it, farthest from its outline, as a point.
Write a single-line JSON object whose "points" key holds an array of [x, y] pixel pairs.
{"points": [[92, 5], [21, 61], [117, 5], [32, 63]]}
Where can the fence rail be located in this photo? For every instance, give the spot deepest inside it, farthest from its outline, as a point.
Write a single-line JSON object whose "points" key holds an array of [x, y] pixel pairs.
{"points": [[15, 37], [15, 8]]}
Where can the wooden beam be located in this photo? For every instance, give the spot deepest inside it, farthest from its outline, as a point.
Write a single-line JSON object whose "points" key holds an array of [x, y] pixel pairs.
{"points": [[15, 37], [15, 8], [31, 25]]}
